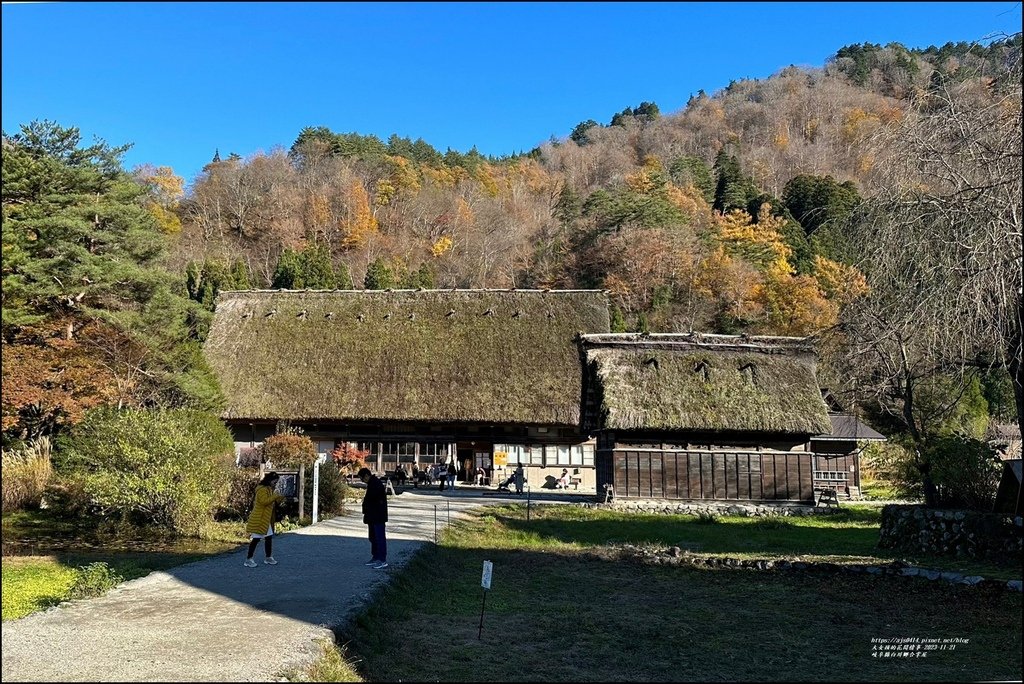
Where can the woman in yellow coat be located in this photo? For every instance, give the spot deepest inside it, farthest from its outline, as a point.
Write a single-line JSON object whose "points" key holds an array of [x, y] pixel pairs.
{"points": [[261, 520]]}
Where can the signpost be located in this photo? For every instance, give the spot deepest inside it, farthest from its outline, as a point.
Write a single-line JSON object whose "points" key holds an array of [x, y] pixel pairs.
{"points": [[485, 582], [499, 461], [320, 460]]}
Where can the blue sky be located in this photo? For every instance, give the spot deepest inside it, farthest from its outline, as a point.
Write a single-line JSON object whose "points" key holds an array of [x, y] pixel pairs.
{"points": [[180, 80]]}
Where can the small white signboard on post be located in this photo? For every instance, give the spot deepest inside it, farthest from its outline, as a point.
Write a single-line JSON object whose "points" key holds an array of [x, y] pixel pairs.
{"points": [[485, 581]]}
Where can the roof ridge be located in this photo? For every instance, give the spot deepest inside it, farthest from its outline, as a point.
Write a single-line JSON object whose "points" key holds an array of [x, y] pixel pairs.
{"points": [[417, 290], [689, 336], [685, 342]]}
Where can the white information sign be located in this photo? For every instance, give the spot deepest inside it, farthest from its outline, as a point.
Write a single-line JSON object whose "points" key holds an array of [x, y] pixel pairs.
{"points": [[485, 581]]}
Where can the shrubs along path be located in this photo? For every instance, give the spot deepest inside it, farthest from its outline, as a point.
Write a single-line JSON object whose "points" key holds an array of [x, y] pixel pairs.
{"points": [[215, 620]]}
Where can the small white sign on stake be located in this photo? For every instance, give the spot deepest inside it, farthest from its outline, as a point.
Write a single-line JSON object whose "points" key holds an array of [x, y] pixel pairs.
{"points": [[485, 581]]}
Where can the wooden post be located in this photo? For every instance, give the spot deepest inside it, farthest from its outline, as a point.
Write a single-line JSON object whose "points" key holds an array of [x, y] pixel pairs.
{"points": [[302, 489]]}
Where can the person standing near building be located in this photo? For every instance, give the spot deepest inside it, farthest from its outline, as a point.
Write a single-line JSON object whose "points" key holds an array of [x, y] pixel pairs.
{"points": [[451, 474], [518, 478], [261, 521], [375, 515]]}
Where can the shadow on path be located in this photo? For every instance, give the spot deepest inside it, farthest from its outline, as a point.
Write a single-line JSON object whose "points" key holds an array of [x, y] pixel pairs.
{"points": [[216, 620]]}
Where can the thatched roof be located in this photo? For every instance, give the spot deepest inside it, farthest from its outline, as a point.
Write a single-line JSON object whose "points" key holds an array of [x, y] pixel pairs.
{"points": [[484, 356], [714, 383]]}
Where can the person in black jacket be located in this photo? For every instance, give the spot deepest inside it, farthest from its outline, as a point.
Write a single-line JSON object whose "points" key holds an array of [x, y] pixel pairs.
{"points": [[375, 515]]}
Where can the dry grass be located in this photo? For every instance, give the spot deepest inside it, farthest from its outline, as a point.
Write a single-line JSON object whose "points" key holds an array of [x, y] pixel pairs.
{"points": [[25, 474], [331, 666]]}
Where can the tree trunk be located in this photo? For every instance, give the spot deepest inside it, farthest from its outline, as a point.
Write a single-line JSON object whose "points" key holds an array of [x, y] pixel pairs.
{"points": [[923, 466], [1016, 369], [927, 484]]}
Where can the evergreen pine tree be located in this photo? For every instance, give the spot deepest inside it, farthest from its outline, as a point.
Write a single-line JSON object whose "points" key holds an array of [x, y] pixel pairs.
{"points": [[378, 276], [618, 321]]}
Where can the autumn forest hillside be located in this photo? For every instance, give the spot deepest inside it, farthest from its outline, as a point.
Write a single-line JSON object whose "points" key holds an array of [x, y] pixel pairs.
{"points": [[763, 208], [725, 216]]}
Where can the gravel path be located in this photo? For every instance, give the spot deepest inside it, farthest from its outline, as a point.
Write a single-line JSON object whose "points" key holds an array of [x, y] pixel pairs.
{"points": [[215, 620]]}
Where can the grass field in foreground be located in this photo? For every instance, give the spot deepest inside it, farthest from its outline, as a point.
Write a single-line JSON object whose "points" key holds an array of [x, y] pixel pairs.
{"points": [[32, 583], [559, 611], [43, 549]]}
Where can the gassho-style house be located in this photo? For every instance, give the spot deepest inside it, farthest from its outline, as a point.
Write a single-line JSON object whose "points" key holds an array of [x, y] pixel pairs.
{"points": [[532, 376], [414, 377], [689, 416]]}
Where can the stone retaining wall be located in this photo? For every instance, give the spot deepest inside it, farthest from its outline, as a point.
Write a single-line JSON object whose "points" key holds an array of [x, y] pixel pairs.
{"points": [[710, 507], [965, 534], [676, 556]]}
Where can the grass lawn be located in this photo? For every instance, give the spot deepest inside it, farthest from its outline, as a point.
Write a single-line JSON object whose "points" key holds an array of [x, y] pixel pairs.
{"points": [[42, 551], [32, 583], [559, 610], [878, 490], [849, 536]]}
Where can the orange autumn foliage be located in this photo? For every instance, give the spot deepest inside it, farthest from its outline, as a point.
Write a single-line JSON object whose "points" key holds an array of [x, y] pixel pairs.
{"points": [[58, 377]]}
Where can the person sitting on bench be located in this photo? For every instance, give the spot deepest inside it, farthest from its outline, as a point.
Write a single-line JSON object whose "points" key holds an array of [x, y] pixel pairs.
{"points": [[563, 480]]}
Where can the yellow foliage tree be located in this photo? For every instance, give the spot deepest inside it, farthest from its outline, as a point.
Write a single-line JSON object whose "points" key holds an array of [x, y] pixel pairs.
{"points": [[464, 212], [691, 203], [857, 124], [359, 222], [794, 305], [728, 283], [446, 176], [648, 178], [781, 139], [319, 210], [404, 177], [441, 246], [529, 170], [711, 286], [166, 190], [167, 219], [759, 243], [386, 192], [841, 283], [484, 175]]}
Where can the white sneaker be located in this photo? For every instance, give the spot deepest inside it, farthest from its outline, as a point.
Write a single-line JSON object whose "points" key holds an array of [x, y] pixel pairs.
{"points": [[249, 563], [270, 561], [372, 561], [381, 565]]}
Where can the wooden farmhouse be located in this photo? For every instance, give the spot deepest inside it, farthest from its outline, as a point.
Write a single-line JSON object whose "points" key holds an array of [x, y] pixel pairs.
{"points": [[837, 452], [413, 377], [691, 416]]}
